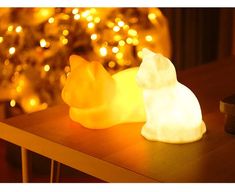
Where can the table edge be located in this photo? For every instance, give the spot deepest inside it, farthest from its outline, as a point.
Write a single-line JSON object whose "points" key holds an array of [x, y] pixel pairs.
{"points": [[101, 169]]}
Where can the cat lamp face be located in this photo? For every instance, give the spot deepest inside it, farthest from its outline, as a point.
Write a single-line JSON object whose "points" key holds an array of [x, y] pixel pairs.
{"points": [[172, 110]]}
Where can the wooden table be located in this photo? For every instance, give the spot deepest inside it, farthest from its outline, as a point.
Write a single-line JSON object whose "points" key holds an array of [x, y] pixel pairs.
{"points": [[121, 154]]}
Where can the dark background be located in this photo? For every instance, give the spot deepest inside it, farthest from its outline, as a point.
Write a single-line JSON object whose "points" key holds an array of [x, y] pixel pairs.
{"points": [[199, 35]]}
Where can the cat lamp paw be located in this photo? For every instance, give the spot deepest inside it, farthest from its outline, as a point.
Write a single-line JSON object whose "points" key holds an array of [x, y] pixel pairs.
{"points": [[172, 110]]}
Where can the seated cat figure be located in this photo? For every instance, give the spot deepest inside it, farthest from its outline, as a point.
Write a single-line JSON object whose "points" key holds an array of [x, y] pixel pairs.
{"points": [[172, 110], [99, 100]]}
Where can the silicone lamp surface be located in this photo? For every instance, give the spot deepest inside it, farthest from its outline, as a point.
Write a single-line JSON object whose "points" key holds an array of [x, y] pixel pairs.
{"points": [[98, 100], [172, 110]]}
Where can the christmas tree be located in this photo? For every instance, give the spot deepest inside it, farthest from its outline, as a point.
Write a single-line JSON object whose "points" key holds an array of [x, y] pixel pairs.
{"points": [[36, 43]]}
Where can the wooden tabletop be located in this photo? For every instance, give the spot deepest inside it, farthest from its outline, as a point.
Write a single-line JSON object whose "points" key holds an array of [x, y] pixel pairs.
{"points": [[121, 154]]}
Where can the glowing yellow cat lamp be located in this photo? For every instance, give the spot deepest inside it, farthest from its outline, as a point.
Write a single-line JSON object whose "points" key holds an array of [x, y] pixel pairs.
{"points": [[99, 100], [172, 110]]}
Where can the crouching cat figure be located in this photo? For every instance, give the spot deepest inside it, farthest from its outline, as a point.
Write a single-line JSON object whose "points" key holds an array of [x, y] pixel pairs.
{"points": [[172, 110], [98, 100]]}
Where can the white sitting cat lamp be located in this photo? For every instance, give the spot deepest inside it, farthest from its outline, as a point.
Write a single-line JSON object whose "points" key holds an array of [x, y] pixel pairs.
{"points": [[98, 100], [173, 111]]}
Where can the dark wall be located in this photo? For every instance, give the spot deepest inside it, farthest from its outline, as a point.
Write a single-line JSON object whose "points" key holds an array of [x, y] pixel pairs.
{"points": [[199, 35]]}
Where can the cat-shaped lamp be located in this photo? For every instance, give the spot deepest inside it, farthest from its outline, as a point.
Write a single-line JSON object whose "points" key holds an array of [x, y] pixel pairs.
{"points": [[97, 99], [172, 110]]}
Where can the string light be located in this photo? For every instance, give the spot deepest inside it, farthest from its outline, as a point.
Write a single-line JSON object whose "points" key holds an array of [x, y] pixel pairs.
{"points": [[132, 32], [51, 20], [121, 23], [110, 24], [10, 28], [105, 44], [18, 68], [44, 12], [115, 49], [12, 103], [89, 18], [152, 16], [64, 40], [111, 64], [32, 102], [97, 20], [126, 27], [43, 43], [103, 51], [85, 13], [75, 11], [93, 37], [65, 17], [46, 68], [1, 39], [116, 28], [12, 50], [135, 41], [121, 43], [119, 55], [117, 19], [18, 29], [77, 17], [90, 25], [65, 32], [129, 40], [117, 37], [148, 38], [93, 10]]}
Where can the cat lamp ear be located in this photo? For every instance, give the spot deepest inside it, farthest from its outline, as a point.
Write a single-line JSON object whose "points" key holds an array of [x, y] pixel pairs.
{"points": [[88, 84], [147, 53], [76, 61], [173, 111]]}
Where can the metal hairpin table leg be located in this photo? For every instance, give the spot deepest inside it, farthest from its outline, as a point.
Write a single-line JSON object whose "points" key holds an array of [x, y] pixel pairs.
{"points": [[52, 171], [57, 179], [25, 165], [55, 171]]}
